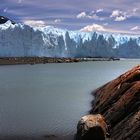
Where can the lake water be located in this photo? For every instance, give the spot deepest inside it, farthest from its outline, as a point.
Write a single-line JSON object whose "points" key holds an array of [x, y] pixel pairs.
{"points": [[49, 99]]}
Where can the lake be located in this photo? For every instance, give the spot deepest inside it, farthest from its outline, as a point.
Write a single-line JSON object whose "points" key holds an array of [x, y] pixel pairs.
{"points": [[46, 100]]}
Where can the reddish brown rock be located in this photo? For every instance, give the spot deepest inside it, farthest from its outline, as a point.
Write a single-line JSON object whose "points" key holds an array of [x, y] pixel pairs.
{"points": [[92, 127], [119, 102]]}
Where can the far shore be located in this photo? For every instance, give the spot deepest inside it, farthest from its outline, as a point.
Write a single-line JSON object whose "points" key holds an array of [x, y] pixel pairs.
{"points": [[44, 60]]}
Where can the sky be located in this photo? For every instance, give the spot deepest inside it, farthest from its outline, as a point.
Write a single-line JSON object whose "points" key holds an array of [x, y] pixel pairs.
{"points": [[85, 15]]}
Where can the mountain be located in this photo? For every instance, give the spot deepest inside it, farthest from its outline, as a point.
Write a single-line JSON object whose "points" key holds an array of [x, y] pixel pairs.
{"points": [[23, 40], [5, 19]]}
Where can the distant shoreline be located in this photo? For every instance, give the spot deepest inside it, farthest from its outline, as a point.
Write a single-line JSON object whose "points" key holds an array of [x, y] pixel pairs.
{"points": [[44, 60]]}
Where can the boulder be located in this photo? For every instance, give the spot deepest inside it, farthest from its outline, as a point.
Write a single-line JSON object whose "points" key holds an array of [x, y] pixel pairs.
{"points": [[92, 127]]}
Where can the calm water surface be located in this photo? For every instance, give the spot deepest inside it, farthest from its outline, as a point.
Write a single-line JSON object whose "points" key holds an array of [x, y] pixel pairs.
{"points": [[39, 100]]}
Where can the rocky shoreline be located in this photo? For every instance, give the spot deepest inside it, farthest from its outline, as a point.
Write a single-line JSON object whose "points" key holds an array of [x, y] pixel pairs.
{"points": [[44, 60], [119, 103]]}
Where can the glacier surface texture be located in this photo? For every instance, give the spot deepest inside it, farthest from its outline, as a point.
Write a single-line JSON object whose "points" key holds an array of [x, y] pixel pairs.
{"points": [[21, 40]]}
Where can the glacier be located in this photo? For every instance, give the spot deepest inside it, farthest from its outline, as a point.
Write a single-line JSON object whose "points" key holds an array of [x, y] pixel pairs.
{"points": [[20, 40]]}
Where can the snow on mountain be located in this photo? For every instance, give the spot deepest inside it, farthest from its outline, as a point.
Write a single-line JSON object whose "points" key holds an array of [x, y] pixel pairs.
{"points": [[23, 40]]}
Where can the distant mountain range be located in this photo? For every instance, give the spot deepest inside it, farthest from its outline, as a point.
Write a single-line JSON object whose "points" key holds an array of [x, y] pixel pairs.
{"points": [[23, 40]]}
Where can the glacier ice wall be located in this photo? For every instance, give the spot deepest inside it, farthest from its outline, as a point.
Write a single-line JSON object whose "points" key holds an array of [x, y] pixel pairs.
{"points": [[23, 40]]}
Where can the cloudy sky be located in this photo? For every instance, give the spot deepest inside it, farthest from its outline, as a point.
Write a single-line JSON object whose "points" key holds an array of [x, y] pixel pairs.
{"points": [[86, 15]]}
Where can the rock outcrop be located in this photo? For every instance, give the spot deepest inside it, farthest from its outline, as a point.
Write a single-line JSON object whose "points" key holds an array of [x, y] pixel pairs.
{"points": [[92, 127], [119, 102]]}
